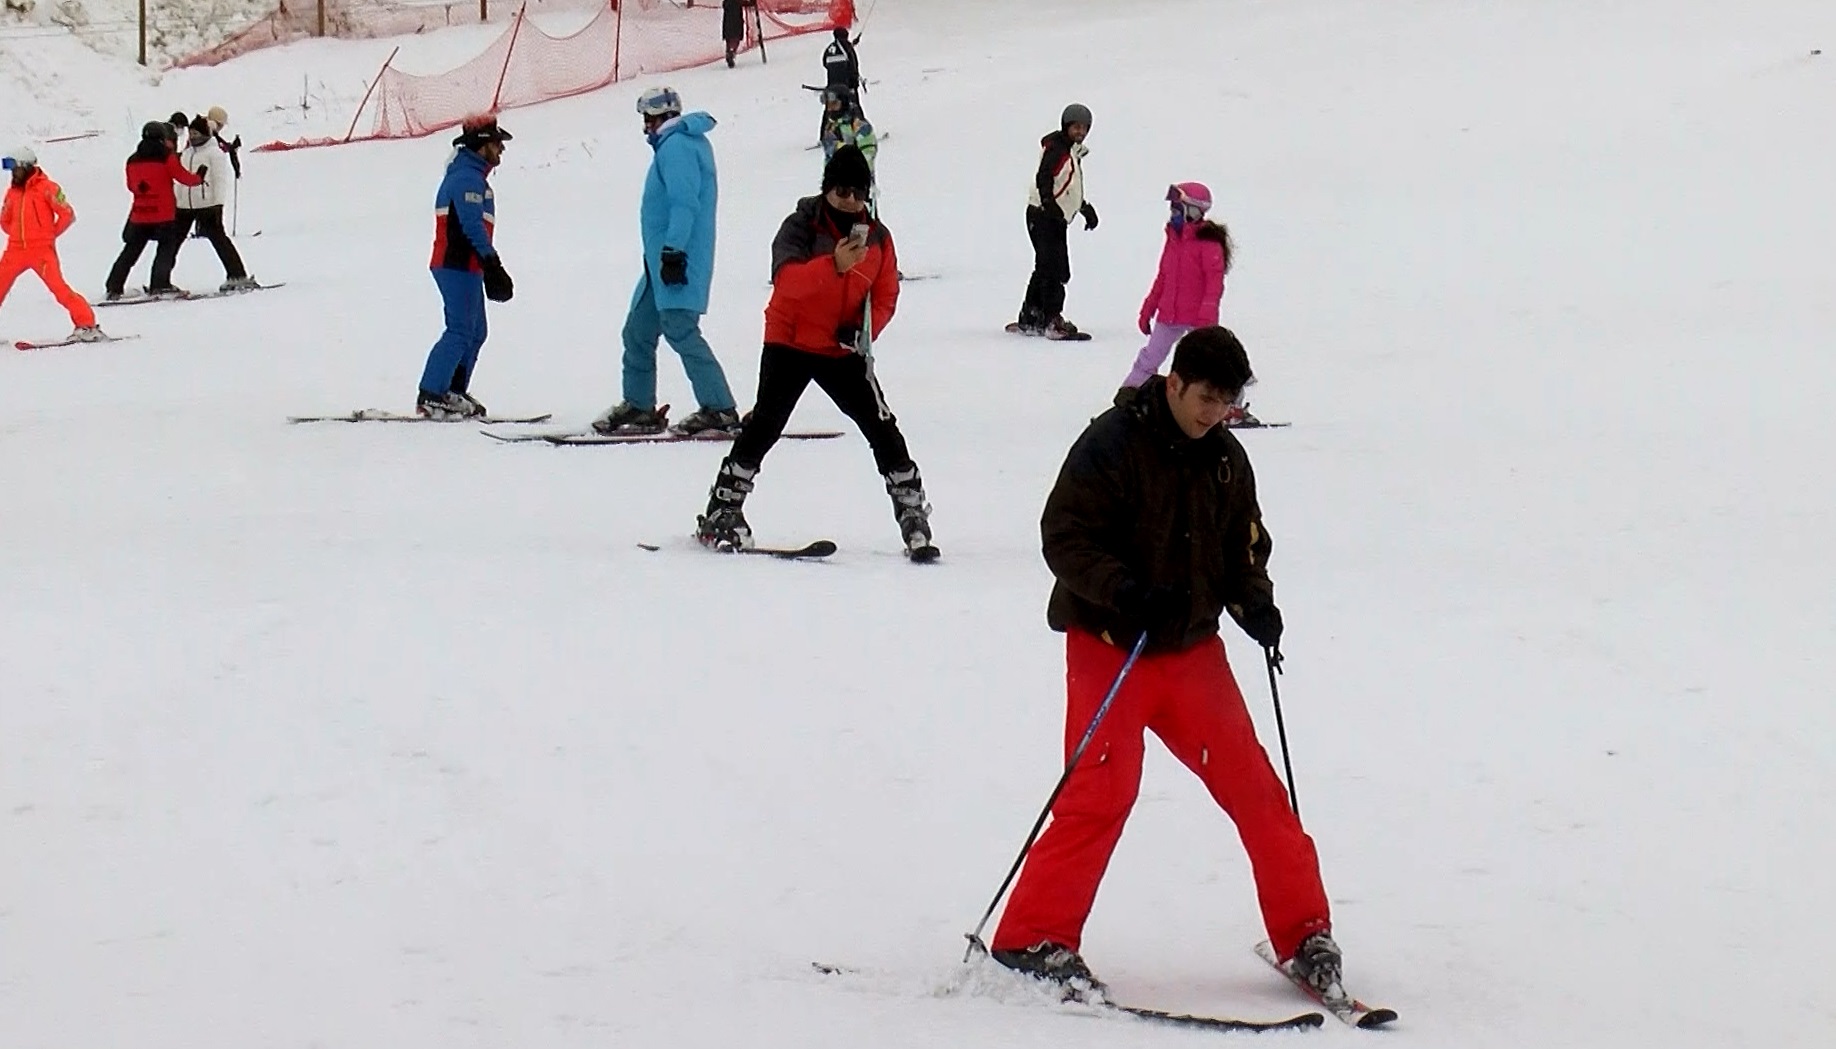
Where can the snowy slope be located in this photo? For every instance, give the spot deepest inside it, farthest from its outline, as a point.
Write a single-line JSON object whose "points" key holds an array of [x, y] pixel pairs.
{"points": [[389, 736]]}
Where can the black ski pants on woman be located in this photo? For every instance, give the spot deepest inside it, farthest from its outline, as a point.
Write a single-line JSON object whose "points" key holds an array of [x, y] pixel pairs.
{"points": [[1045, 292], [784, 374], [210, 225], [135, 236]]}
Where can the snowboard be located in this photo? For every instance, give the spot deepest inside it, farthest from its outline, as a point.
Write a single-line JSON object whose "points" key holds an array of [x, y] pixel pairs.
{"points": [[1014, 328], [377, 415], [817, 550], [136, 300], [69, 341], [572, 438], [1346, 1008]]}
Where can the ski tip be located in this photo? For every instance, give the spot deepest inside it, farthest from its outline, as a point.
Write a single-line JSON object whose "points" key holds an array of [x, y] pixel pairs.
{"points": [[1377, 1018], [924, 555], [820, 548], [652, 547]]}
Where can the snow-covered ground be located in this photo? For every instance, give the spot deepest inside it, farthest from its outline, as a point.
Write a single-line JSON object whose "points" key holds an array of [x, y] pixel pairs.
{"points": [[391, 736]]}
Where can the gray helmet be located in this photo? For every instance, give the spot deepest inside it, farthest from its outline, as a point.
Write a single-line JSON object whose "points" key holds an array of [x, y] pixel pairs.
{"points": [[1075, 113]]}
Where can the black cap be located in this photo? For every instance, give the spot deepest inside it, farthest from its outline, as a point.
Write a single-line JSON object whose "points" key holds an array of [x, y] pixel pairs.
{"points": [[476, 131], [849, 169]]}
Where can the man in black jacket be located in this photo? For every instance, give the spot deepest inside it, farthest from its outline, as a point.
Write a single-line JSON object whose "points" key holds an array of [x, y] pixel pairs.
{"points": [[1153, 528]]}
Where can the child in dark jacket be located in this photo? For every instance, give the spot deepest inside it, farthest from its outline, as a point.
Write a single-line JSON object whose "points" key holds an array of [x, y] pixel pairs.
{"points": [[151, 171]]}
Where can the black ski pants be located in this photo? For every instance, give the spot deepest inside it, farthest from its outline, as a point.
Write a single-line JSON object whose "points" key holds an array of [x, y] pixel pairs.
{"points": [[784, 374], [1045, 292], [135, 236], [209, 222]]}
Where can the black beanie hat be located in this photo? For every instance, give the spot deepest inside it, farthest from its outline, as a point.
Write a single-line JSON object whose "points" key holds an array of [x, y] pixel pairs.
{"points": [[848, 168], [201, 126]]}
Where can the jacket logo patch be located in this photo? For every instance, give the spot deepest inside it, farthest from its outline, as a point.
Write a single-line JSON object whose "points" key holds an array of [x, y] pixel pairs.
{"points": [[474, 198]]}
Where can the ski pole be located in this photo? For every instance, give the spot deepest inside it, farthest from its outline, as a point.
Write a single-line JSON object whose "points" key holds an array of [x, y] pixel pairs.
{"points": [[1272, 656], [235, 203], [975, 938]]}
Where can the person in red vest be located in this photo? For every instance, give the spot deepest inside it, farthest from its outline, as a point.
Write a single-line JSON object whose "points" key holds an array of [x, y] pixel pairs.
{"points": [[34, 216], [151, 171]]}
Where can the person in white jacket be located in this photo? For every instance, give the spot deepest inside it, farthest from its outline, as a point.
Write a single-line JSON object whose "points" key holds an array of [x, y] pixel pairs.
{"points": [[202, 205]]}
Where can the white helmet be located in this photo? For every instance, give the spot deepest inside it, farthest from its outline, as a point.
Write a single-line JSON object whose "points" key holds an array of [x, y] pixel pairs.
{"points": [[659, 101], [21, 158]]}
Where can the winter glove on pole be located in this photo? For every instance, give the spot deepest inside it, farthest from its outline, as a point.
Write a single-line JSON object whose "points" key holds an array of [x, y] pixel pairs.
{"points": [[1154, 611], [1090, 215], [975, 938], [849, 336], [674, 268], [1263, 623], [498, 285]]}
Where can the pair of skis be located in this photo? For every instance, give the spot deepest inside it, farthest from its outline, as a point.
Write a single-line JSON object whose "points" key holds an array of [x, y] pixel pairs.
{"points": [[186, 296], [1346, 1008], [576, 438], [69, 340]]}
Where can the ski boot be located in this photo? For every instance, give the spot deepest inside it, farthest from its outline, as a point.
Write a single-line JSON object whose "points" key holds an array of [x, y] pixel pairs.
{"points": [[238, 284], [627, 418], [1320, 964], [912, 512], [167, 292], [709, 422], [723, 527], [1059, 329], [446, 407], [1054, 963], [89, 333]]}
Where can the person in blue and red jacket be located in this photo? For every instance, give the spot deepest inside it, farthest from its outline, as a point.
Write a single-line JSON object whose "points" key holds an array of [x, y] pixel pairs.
{"points": [[465, 268], [835, 285], [151, 171]]}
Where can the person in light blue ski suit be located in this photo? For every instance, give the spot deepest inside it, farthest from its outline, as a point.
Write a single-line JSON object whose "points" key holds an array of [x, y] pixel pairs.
{"points": [[465, 268], [677, 217]]}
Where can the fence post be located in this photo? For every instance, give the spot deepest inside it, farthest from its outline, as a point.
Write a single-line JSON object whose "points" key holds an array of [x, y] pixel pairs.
{"points": [[143, 32], [321, 31], [618, 37], [366, 94], [516, 28]]}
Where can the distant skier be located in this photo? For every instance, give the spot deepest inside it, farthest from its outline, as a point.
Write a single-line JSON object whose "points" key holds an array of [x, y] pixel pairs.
{"points": [[733, 25], [677, 216], [466, 268], [1190, 282], [202, 206], [843, 125], [34, 216], [1056, 197], [1153, 527], [833, 269], [841, 63], [151, 171]]}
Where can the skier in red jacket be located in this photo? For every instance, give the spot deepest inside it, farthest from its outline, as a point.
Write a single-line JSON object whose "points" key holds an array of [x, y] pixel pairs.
{"points": [[151, 171], [835, 285], [34, 216]]}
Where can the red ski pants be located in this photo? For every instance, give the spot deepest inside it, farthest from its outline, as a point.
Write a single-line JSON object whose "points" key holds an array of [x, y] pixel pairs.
{"points": [[43, 261], [1190, 700]]}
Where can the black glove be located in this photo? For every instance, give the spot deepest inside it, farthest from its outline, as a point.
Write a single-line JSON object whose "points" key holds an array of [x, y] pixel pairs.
{"points": [[849, 335], [1090, 215], [674, 270], [498, 285], [1160, 610], [1263, 623]]}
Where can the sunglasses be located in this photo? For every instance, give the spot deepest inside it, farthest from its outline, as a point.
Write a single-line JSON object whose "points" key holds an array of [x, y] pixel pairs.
{"points": [[851, 193]]}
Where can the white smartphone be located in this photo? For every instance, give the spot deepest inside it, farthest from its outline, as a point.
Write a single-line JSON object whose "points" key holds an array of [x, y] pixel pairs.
{"points": [[859, 233]]}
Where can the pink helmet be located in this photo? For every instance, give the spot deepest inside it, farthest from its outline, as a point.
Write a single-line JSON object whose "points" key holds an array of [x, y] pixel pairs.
{"points": [[1191, 194]]}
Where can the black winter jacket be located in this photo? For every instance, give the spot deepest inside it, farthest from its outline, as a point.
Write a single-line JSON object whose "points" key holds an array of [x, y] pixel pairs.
{"points": [[1139, 501]]}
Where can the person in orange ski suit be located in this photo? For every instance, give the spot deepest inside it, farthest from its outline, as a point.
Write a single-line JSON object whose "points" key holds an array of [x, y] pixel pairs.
{"points": [[34, 216]]}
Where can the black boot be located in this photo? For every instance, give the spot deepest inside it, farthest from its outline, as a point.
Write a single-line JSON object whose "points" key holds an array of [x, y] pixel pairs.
{"points": [[912, 512], [724, 526], [1054, 963]]}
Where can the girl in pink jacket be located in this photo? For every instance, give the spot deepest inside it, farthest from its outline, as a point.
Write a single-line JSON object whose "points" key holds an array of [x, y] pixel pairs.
{"points": [[1191, 279]]}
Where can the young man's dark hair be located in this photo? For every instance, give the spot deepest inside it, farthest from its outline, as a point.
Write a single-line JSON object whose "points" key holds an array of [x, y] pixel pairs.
{"points": [[1215, 357]]}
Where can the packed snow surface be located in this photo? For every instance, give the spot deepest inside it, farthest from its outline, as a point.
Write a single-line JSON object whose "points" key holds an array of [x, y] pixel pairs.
{"points": [[341, 736]]}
